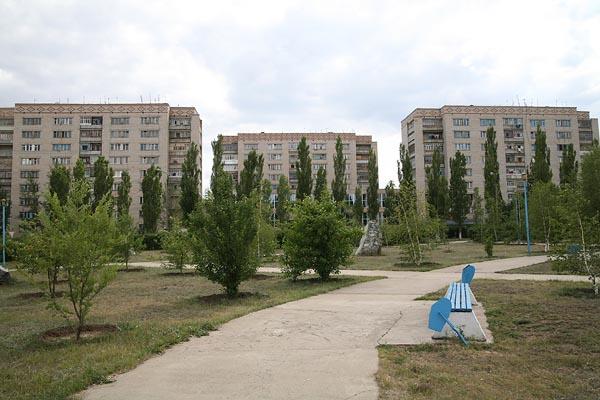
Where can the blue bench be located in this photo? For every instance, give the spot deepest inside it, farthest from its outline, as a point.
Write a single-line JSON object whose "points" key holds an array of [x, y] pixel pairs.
{"points": [[459, 295]]}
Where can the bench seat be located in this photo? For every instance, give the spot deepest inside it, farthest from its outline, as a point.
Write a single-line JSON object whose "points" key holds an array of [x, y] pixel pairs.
{"points": [[459, 295]]}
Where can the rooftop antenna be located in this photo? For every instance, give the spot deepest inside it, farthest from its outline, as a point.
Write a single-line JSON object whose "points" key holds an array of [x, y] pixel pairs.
{"points": [[141, 99]]}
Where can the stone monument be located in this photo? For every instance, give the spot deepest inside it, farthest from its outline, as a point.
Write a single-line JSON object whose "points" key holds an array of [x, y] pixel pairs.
{"points": [[370, 243]]}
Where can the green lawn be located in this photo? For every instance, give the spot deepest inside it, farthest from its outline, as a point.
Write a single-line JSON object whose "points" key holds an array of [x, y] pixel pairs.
{"points": [[544, 268], [547, 346], [154, 310]]}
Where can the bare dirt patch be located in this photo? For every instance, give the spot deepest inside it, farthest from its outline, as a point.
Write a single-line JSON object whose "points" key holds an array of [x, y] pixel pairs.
{"points": [[70, 332], [135, 269]]}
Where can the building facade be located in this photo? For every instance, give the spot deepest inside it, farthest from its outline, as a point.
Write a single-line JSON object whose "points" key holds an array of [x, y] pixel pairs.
{"points": [[280, 153], [131, 137], [463, 128]]}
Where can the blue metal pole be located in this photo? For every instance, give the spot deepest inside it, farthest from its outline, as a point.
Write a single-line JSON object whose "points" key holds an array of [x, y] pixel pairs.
{"points": [[527, 218], [3, 236]]}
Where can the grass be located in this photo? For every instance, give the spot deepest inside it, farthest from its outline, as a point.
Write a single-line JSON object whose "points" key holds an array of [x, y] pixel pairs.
{"points": [[148, 255], [544, 268], [154, 311], [547, 346]]}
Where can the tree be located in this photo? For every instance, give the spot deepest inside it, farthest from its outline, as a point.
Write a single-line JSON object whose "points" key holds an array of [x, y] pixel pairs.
{"points": [[569, 166], [590, 181], [252, 175], [373, 188], [318, 239], [224, 229], [103, 180], [152, 195], [478, 213], [491, 172], [283, 199], [320, 184], [177, 244], [31, 196], [543, 202], [540, 164], [358, 206], [60, 183], [437, 186], [303, 171], [190, 182], [338, 185], [459, 198], [79, 170], [405, 168], [128, 240], [391, 203], [123, 197]]}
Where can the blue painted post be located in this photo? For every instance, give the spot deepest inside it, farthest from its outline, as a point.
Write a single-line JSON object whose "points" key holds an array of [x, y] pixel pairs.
{"points": [[527, 216]]}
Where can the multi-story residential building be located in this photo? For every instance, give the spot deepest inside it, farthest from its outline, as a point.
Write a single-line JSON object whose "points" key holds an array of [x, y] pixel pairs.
{"points": [[463, 128], [7, 123], [131, 137], [280, 153]]}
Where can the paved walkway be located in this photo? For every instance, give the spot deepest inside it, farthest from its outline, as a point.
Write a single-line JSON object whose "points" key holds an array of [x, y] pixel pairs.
{"points": [[322, 347]]}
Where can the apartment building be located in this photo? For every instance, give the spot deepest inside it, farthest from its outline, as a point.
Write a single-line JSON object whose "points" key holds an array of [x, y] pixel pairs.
{"points": [[280, 152], [463, 128], [131, 137]]}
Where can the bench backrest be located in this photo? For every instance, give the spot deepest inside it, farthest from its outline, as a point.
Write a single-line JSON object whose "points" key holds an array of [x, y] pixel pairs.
{"points": [[468, 274]]}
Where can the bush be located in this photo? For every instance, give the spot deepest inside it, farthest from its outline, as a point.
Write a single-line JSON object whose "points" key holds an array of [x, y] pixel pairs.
{"points": [[152, 241], [489, 246]]}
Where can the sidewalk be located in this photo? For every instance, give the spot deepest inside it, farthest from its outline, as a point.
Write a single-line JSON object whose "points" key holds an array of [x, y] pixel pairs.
{"points": [[322, 347]]}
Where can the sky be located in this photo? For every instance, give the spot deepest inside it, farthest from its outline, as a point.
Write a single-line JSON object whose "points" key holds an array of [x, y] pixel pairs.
{"points": [[302, 66]]}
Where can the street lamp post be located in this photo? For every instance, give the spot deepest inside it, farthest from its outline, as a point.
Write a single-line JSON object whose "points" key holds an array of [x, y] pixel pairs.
{"points": [[3, 202], [526, 215]]}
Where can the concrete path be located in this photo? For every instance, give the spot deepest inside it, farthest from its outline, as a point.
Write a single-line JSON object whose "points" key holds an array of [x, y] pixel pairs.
{"points": [[322, 347]]}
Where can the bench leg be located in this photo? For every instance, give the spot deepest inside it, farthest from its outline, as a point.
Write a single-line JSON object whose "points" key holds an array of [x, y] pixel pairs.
{"points": [[467, 323]]}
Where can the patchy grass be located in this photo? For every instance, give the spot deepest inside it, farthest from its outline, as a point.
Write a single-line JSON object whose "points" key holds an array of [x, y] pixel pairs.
{"points": [[148, 255], [153, 312], [544, 268], [547, 346]]}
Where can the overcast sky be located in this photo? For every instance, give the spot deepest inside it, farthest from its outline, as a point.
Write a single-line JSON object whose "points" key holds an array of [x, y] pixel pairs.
{"points": [[301, 66]]}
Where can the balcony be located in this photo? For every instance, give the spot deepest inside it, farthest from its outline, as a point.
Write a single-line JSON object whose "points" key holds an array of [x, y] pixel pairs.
{"points": [[6, 138], [432, 125], [90, 122]]}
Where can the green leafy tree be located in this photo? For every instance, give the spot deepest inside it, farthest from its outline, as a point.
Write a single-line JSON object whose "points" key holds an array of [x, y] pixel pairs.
{"points": [[543, 202], [590, 181], [177, 244], [224, 229], [152, 195], [79, 177], [405, 168], [303, 171], [128, 240], [460, 201], [437, 186], [103, 180], [60, 182], [391, 203], [123, 197], [252, 175], [338, 185], [569, 166], [540, 164], [492, 194], [321, 184], [283, 199], [190, 182], [358, 206], [317, 239], [478, 214], [372, 189]]}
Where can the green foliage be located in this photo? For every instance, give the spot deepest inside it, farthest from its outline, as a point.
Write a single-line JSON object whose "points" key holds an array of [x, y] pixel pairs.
{"points": [[190, 182], [338, 185], [391, 203], [460, 201], [152, 241], [283, 199], [372, 197], [303, 171], [123, 197], [491, 172], [317, 239], [251, 176], [103, 180], [79, 170], [217, 167], [357, 207], [152, 194], [489, 246], [128, 240], [437, 186], [590, 181], [405, 169], [31, 196], [569, 166], [177, 243], [543, 203], [540, 164], [59, 182], [321, 184], [478, 222]]}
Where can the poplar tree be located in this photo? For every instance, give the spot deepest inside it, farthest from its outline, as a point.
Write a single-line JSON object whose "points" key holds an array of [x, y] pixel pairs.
{"points": [[459, 198], [283, 199], [391, 203], [190, 182], [569, 166], [338, 186], [79, 170], [540, 165], [491, 172], [123, 197], [60, 183], [372, 195], [303, 171], [252, 175], [152, 195], [103, 180], [437, 186], [358, 206], [320, 184]]}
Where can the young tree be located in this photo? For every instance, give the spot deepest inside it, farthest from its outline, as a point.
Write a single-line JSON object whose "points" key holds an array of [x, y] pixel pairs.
{"points": [[391, 203], [252, 175], [459, 198], [338, 185], [152, 195], [405, 168], [177, 244], [217, 167], [190, 182], [478, 214], [123, 197], [318, 239], [303, 171], [79, 170], [437, 186], [103, 180], [590, 181], [372, 195], [543, 202], [320, 184], [358, 206], [30, 196], [128, 239], [491, 172], [540, 164], [60, 182], [283, 199], [569, 166]]}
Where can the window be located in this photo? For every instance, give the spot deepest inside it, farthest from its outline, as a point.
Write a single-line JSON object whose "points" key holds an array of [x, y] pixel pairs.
{"points": [[180, 121], [561, 147], [30, 161], [251, 146], [119, 146], [563, 135], [30, 134], [345, 146], [410, 125], [32, 121], [319, 156], [61, 134], [26, 214], [119, 121], [119, 160], [149, 120], [483, 134], [274, 167], [274, 157], [468, 159], [119, 134], [463, 146], [63, 121], [431, 122], [564, 123], [274, 177], [514, 121], [319, 146], [316, 167], [469, 185], [117, 174], [487, 122], [61, 147], [149, 147], [61, 160], [462, 135], [30, 147], [29, 174], [537, 122], [468, 172], [293, 146], [274, 146], [461, 121], [90, 147], [149, 134], [150, 160]]}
